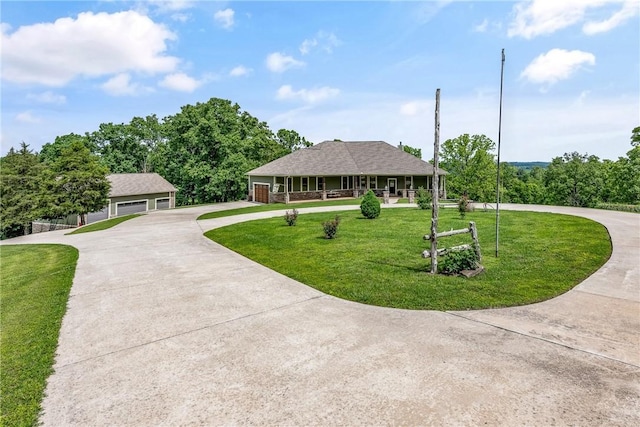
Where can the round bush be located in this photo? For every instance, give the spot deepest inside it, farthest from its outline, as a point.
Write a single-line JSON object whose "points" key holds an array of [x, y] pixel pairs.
{"points": [[370, 206]]}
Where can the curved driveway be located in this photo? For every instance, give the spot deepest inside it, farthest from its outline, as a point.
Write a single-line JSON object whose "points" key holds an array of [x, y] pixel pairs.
{"points": [[165, 327]]}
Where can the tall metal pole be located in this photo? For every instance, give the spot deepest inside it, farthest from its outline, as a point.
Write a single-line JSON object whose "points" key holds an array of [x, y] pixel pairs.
{"points": [[434, 190], [498, 172]]}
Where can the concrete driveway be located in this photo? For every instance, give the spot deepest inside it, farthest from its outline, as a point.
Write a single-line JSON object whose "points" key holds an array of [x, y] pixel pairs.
{"points": [[166, 328]]}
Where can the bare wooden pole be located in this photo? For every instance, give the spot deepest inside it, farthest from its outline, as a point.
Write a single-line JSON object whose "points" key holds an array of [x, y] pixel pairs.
{"points": [[435, 190], [498, 172]]}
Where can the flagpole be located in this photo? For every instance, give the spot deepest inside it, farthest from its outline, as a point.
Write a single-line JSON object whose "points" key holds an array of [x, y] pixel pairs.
{"points": [[498, 172]]}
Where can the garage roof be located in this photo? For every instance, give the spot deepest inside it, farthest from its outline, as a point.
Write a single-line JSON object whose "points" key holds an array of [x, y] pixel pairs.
{"points": [[133, 184]]}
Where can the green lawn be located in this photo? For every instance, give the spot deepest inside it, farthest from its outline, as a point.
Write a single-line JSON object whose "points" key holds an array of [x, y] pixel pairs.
{"points": [[379, 261], [279, 206], [103, 225], [36, 280]]}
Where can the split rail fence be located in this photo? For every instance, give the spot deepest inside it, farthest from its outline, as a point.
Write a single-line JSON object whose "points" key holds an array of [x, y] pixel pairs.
{"points": [[475, 245]]}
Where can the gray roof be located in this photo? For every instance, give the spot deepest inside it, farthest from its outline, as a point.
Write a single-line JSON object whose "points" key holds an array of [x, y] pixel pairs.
{"points": [[333, 158], [132, 184]]}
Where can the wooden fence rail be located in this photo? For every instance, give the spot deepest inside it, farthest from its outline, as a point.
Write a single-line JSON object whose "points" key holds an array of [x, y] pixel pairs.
{"points": [[474, 237]]}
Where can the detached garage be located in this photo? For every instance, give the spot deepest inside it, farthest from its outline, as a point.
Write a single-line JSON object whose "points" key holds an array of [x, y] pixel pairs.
{"points": [[134, 193]]}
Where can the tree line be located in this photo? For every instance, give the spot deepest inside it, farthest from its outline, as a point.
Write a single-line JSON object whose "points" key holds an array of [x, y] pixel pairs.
{"points": [[572, 179], [204, 150]]}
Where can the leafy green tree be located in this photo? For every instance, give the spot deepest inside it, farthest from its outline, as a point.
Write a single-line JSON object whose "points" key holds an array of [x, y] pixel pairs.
{"points": [[624, 174], [81, 184], [413, 151], [574, 180], [471, 167], [635, 137], [22, 178], [209, 148], [52, 150], [291, 141], [128, 147], [519, 185], [119, 150]]}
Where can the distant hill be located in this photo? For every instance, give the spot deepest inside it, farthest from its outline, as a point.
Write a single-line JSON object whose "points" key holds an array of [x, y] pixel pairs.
{"points": [[529, 165]]}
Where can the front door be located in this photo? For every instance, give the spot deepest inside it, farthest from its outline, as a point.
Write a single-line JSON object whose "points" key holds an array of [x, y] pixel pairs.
{"points": [[392, 183]]}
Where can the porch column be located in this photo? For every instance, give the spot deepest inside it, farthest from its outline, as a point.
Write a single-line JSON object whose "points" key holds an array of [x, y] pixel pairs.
{"points": [[286, 190]]}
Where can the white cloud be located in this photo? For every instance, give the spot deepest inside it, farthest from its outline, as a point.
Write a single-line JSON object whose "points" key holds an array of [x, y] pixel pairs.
{"points": [[556, 65], [324, 40], [171, 5], [481, 27], [91, 45], [414, 108], [278, 62], [121, 85], [181, 82], [27, 117], [310, 96], [307, 44], [181, 17], [47, 97], [239, 71], [225, 18], [628, 11], [540, 17]]}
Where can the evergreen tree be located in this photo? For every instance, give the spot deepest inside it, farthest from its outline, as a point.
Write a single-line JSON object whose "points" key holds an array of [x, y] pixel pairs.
{"points": [[22, 197], [81, 184]]}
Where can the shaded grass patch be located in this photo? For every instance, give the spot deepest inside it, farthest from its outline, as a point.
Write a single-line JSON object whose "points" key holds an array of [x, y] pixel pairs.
{"points": [[277, 207], [36, 280], [103, 225], [379, 261]]}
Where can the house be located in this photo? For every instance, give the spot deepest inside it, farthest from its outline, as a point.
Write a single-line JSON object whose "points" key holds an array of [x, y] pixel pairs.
{"points": [[135, 193], [341, 169]]}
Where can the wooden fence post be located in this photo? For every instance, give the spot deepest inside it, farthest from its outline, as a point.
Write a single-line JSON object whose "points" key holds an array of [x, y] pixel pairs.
{"points": [[474, 236], [434, 191]]}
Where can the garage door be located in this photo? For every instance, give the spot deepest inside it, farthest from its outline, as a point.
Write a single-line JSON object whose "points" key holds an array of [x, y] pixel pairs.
{"points": [[261, 193], [98, 216], [162, 204], [127, 208]]}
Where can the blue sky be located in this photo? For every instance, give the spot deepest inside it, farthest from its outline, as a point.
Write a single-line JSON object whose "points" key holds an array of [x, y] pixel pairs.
{"points": [[350, 70]]}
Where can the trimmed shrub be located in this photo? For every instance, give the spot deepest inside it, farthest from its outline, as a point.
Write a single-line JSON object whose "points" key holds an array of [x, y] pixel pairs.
{"points": [[370, 206], [423, 198], [331, 227], [456, 261], [291, 217], [464, 206]]}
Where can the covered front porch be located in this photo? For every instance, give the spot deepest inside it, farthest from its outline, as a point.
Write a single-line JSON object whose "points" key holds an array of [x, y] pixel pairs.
{"points": [[285, 189]]}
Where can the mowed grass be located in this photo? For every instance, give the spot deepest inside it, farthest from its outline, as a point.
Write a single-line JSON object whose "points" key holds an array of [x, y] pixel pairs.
{"points": [[36, 280], [379, 261], [103, 225], [277, 207]]}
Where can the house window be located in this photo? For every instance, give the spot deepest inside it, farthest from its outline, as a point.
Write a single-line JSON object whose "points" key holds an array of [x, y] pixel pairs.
{"points": [[289, 184], [347, 182], [304, 183], [320, 183], [373, 182], [362, 182]]}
